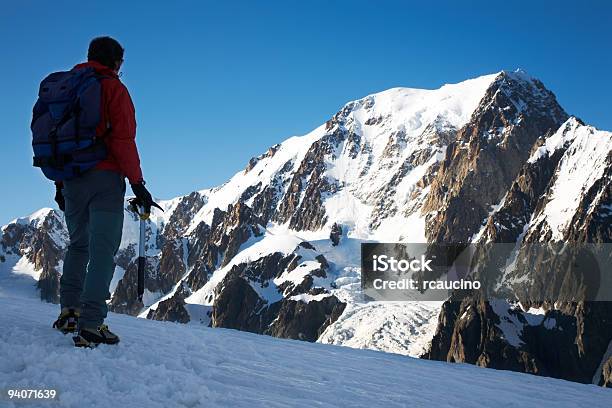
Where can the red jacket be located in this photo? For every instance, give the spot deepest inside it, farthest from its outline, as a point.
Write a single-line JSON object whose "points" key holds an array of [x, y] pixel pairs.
{"points": [[118, 111]]}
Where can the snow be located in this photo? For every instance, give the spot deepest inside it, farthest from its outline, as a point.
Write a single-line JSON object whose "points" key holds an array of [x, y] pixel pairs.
{"points": [[18, 276], [36, 218], [453, 102], [558, 140], [394, 327], [117, 276], [267, 291], [582, 164], [297, 275], [346, 209], [512, 326], [305, 297], [163, 364], [509, 323], [25, 267], [409, 229], [250, 251], [131, 231], [494, 209]]}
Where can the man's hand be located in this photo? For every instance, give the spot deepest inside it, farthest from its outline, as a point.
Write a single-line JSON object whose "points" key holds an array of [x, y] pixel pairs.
{"points": [[59, 198], [143, 197]]}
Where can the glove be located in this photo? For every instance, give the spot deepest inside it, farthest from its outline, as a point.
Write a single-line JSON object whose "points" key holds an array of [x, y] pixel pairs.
{"points": [[143, 197], [59, 198]]}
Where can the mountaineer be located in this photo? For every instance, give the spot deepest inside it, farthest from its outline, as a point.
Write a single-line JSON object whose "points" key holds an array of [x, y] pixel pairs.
{"points": [[84, 130]]}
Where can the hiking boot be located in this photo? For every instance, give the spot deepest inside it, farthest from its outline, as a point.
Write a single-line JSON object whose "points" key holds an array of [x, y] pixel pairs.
{"points": [[67, 320], [91, 337]]}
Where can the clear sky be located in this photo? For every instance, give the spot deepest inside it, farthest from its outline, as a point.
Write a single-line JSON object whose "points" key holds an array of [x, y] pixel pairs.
{"points": [[215, 83]]}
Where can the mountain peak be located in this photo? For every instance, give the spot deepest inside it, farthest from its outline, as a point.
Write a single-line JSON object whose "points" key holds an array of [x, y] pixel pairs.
{"points": [[414, 109], [35, 218], [517, 74]]}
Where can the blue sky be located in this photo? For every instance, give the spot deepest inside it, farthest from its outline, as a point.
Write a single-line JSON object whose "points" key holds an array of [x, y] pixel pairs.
{"points": [[215, 83]]}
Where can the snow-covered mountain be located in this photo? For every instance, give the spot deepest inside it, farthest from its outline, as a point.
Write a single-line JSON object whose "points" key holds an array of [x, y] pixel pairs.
{"points": [[275, 250]]}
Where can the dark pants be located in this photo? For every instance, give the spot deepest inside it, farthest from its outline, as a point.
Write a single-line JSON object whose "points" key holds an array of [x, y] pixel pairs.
{"points": [[94, 217]]}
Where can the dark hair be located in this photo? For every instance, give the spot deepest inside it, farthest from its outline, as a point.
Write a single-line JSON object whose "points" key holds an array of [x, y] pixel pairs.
{"points": [[105, 50]]}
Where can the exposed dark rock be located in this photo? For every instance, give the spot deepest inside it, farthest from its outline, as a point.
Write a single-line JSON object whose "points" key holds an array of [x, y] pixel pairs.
{"points": [[335, 234], [182, 216], [265, 202], [125, 298], [161, 274], [395, 144], [42, 241], [254, 160], [250, 192], [567, 344], [374, 120], [437, 138], [238, 305], [476, 339], [171, 265], [492, 146], [172, 309], [126, 255], [593, 219], [302, 204], [307, 245], [207, 246], [305, 321], [237, 227], [204, 249], [323, 261]]}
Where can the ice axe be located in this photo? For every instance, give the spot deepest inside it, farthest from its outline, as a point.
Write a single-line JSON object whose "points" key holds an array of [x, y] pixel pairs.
{"points": [[143, 216]]}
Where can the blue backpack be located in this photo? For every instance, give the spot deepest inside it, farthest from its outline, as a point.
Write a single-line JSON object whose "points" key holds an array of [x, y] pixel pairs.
{"points": [[64, 123]]}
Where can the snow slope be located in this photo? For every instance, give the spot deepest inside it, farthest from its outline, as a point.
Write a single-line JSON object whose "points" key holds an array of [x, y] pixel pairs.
{"points": [[162, 364], [584, 144], [393, 327]]}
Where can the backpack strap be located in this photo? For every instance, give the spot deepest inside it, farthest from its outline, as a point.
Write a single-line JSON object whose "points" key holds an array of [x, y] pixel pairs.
{"points": [[53, 137], [77, 107], [77, 104]]}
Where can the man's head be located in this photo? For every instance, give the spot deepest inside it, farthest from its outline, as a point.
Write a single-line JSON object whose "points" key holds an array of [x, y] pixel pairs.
{"points": [[107, 51]]}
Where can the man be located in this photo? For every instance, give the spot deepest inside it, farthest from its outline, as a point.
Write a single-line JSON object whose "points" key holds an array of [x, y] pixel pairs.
{"points": [[93, 205]]}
